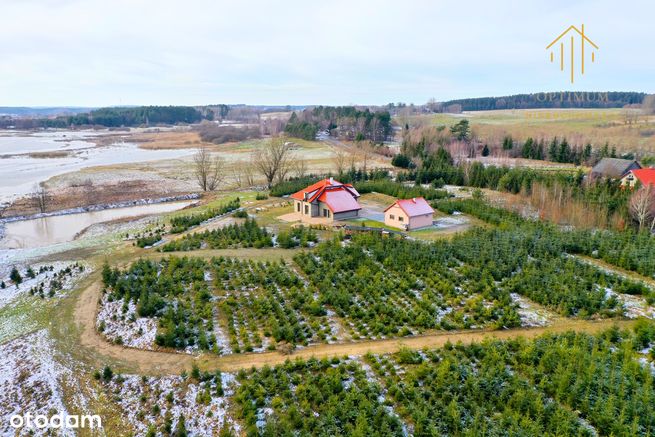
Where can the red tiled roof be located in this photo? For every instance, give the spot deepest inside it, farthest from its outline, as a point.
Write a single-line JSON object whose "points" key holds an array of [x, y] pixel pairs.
{"points": [[413, 207], [645, 175], [314, 191]]}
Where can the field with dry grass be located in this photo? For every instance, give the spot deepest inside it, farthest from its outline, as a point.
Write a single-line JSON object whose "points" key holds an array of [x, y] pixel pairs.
{"points": [[628, 133]]}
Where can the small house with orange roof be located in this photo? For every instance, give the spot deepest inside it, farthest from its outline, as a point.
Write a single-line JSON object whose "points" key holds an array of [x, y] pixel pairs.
{"points": [[327, 199], [645, 176], [409, 214]]}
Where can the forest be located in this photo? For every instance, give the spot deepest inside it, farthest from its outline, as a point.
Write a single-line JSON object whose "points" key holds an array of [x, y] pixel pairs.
{"points": [[246, 234], [556, 384], [467, 281], [374, 181], [118, 117], [174, 291], [628, 249], [182, 223], [266, 304], [605, 197], [376, 286], [566, 99], [346, 122]]}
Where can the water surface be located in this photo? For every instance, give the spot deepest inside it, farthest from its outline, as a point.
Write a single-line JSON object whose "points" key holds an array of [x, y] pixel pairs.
{"points": [[62, 228]]}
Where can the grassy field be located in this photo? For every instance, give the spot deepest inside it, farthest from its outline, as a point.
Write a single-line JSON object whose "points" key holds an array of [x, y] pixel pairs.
{"points": [[578, 126]]}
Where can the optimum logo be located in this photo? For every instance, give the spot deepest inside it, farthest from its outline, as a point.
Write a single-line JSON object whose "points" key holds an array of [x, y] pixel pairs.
{"points": [[569, 48]]}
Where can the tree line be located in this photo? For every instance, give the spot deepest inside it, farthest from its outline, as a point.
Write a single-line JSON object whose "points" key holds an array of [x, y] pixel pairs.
{"points": [[604, 197], [115, 117], [346, 122], [567, 99], [628, 249]]}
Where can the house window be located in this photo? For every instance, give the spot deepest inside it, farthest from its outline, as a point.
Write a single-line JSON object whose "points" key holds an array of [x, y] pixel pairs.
{"points": [[326, 213], [400, 219], [391, 217], [298, 206], [306, 209]]}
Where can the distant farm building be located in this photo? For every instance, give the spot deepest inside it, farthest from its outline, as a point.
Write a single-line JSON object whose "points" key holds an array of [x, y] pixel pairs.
{"points": [[645, 176], [328, 199], [613, 168], [409, 214]]}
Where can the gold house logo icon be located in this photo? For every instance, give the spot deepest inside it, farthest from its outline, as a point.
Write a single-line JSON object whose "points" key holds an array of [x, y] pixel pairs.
{"points": [[564, 45]]}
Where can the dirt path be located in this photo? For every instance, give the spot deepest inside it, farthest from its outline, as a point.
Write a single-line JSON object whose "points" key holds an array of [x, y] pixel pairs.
{"points": [[162, 363]]}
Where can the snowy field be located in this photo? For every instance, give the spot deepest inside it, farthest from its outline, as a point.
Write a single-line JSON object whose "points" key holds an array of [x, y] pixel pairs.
{"points": [[22, 169], [50, 280], [31, 380], [127, 327], [530, 315], [154, 400]]}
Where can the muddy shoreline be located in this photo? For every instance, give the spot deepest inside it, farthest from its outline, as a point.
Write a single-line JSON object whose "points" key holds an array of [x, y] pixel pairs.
{"points": [[100, 207]]}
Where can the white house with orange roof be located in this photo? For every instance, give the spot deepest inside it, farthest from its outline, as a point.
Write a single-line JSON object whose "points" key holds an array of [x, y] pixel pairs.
{"points": [[328, 199], [645, 176], [409, 214]]}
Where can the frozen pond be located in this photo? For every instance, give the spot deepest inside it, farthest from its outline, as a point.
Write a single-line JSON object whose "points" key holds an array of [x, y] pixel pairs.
{"points": [[20, 171], [59, 229], [23, 142]]}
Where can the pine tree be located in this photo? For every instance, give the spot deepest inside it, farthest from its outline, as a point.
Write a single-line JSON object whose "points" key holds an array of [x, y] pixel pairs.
{"points": [[15, 276]]}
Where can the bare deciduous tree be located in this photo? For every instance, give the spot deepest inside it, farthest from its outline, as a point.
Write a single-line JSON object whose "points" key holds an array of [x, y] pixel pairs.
{"points": [[272, 160], [244, 174], [365, 154], [40, 198], [300, 168], [340, 162], [642, 207], [208, 170]]}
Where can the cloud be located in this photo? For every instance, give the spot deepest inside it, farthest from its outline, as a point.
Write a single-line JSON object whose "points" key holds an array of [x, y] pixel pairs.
{"points": [[93, 52]]}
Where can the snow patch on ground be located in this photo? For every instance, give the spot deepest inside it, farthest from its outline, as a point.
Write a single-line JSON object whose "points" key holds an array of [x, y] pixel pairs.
{"points": [[134, 331], [449, 222], [144, 402], [30, 381], [66, 281], [633, 306], [530, 316], [222, 339]]}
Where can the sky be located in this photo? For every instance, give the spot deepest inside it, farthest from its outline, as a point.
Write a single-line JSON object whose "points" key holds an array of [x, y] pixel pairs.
{"points": [[193, 52]]}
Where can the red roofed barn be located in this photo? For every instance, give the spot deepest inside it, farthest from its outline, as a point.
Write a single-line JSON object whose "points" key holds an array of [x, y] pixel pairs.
{"points": [[327, 199], [646, 176], [409, 214]]}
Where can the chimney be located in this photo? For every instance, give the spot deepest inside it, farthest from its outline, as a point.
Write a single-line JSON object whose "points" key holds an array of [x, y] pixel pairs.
{"points": [[331, 180]]}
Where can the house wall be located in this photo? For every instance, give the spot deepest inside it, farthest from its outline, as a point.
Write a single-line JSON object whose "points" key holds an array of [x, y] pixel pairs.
{"points": [[420, 221], [346, 215], [397, 218], [305, 208], [629, 180], [392, 217], [324, 211]]}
